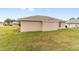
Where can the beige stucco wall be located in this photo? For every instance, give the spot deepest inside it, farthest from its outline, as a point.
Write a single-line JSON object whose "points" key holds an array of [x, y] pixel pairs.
{"points": [[27, 26], [62, 25], [49, 26]]}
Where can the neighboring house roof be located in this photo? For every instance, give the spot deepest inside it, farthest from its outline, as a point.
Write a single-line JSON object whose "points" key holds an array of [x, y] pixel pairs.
{"points": [[73, 21], [40, 18]]}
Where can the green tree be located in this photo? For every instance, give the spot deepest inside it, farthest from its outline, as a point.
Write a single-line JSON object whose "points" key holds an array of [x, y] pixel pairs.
{"points": [[9, 21], [71, 18], [77, 17]]}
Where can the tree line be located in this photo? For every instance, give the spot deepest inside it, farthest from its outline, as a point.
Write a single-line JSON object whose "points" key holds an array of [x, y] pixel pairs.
{"points": [[74, 18], [10, 22]]}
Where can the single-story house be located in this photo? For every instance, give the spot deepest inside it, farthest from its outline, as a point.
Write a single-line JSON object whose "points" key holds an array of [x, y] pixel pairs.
{"points": [[40, 23], [72, 23], [1, 24]]}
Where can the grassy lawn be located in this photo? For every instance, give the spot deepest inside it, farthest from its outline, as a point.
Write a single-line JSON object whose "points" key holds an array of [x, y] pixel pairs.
{"points": [[13, 40]]}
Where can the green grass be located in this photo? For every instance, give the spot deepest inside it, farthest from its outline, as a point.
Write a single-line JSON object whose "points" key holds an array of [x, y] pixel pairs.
{"points": [[13, 40]]}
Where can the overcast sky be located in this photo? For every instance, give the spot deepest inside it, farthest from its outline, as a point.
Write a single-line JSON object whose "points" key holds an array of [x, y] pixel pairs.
{"points": [[15, 13]]}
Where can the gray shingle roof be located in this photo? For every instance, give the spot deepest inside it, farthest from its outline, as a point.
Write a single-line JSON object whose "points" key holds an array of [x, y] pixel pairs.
{"points": [[40, 18], [75, 21]]}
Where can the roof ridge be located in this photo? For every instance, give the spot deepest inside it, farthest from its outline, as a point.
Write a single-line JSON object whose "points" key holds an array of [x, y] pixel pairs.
{"points": [[41, 16]]}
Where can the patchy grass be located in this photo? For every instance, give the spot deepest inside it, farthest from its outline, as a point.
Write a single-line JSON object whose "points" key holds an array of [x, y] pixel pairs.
{"points": [[13, 40]]}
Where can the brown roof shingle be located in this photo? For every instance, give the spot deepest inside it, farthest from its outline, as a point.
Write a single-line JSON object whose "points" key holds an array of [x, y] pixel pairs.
{"points": [[40, 18]]}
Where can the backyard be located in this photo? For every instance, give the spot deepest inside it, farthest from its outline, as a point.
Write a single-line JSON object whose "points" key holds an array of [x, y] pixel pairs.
{"points": [[13, 40]]}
